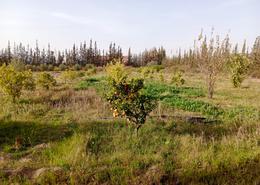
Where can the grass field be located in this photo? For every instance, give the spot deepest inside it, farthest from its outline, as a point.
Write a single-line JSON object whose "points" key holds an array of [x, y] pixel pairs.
{"points": [[67, 135]]}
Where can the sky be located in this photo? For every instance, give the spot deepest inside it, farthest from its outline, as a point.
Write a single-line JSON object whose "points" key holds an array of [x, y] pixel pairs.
{"points": [[138, 24]]}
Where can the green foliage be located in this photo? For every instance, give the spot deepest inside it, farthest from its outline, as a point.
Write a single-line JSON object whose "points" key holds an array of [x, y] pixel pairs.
{"points": [[18, 65], [193, 105], [180, 98], [161, 77], [29, 81], [178, 79], [149, 71], [146, 72], [90, 82], [62, 67], [12, 82], [116, 72], [46, 80], [239, 65], [77, 67], [43, 67], [69, 75], [29, 67], [89, 66], [50, 67], [91, 71], [126, 97]]}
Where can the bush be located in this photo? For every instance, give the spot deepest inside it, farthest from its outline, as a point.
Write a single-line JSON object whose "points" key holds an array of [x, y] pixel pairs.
{"points": [[89, 66], [92, 71], [69, 75], [29, 67], [178, 79], [148, 71], [43, 67], [29, 81], [239, 65], [77, 67], [46, 80], [62, 67], [50, 67], [12, 82], [161, 76], [157, 68], [126, 97], [18, 65]]}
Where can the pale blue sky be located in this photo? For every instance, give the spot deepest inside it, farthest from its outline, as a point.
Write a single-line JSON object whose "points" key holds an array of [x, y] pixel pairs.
{"points": [[137, 24]]}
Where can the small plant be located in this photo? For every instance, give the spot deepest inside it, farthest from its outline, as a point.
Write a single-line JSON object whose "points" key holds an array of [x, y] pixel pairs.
{"points": [[43, 67], [145, 71], [29, 81], [161, 77], [178, 79], [18, 65], [91, 71], [239, 65], [46, 80], [62, 67], [149, 71], [89, 66], [69, 75], [12, 82], [126, 97], [77, 67], [50, 67]]}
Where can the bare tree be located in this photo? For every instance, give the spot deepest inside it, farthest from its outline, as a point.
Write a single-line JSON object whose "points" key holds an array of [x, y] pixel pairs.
{"points": [[211, 56]]}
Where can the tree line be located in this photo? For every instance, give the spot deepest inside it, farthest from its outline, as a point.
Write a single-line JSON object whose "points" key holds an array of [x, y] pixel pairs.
{"points": [[194, 55], [81, 55]]}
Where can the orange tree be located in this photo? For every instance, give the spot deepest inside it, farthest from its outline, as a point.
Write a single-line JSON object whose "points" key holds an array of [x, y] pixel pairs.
{"points": [[12, 82], [126, 97]]}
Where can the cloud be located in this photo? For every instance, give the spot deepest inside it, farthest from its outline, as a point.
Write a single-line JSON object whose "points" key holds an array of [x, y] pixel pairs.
{"points": [[71, 18], [107, 25]]}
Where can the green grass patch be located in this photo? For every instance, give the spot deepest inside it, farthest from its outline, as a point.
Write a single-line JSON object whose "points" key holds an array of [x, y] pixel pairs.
{"points": [[182, 98]]}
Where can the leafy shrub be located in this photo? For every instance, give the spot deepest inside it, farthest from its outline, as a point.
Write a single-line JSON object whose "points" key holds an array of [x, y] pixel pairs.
{"points": [[46, 80], [126, 97], [69, 75], [148, 71], [92, 71], [178, 79], [18, 65], [239, 65], [77, 67], [29, 81], [56, 68], [157, 68], [161, 77], [62, 67], [12, 82], [89, 66], [50, 67], [29, 67], [43, 67]]}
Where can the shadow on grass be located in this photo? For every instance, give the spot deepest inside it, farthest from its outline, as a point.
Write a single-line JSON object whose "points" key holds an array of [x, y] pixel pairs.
{"points": [[31, 133], [212, 130], [246, 172]]}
